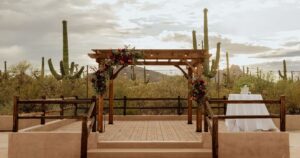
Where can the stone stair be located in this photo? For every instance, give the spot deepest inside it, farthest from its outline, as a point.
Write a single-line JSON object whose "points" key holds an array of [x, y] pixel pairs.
{"points": [[140, 149]]}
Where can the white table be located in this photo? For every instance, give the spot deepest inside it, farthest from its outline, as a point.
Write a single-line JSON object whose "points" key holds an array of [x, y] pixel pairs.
{"points": [[237, 125]]}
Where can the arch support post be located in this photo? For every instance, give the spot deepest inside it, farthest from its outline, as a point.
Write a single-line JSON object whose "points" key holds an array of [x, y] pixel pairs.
{"points": [[100, 106], [189, 100], [111, 101]]}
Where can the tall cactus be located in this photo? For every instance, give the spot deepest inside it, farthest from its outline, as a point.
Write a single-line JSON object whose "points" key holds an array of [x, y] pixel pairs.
{"points": [[194, 40], [210, 72], [205, 29], [247, 70], [133, 75], [5, 74], [284, 74], [66, 71], [42, 75], [146, 79], [227, 69], [258, 73]]}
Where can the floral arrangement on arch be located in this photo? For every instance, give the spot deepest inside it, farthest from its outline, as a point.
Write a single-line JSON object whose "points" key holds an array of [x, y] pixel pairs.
{"points": [[124, 56], [198, 90]]}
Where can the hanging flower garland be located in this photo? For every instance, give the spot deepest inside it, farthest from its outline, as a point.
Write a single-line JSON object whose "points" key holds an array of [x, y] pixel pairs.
{"points": [[198, 90], [125, 56]]}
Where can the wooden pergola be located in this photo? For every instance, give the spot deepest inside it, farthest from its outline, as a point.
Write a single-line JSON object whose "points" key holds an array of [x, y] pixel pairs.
{"points": [[193, 59]]}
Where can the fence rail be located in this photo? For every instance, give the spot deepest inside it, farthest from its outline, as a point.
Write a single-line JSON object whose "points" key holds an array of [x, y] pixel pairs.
{"points": [[213, 126], [85, 130]]}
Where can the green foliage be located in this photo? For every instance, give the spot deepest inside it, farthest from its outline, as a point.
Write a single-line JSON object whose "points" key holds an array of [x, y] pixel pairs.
{"points": [[67, 72], [27, 87]]}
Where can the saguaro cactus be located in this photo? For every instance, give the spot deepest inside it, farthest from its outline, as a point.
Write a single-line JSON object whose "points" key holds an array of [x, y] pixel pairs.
{"points": [[194, 40], [258, 73], [248, 71], [41, 76], [133, 75], [5, 74], [284, 74], [210, 72], [227, 69], [66, 71], [146, 79]]}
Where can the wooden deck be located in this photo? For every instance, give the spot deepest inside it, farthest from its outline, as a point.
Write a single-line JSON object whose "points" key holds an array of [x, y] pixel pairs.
{"points": [[150, 131], [146, 130], [165, 130]]}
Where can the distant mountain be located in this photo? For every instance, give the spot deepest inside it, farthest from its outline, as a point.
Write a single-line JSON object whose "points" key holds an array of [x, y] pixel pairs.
{"points": [[139, 71], [234, 70]]}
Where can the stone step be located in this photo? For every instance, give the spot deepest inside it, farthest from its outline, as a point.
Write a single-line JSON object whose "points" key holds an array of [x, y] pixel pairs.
{"points": [[149, 153], [147, 144]]}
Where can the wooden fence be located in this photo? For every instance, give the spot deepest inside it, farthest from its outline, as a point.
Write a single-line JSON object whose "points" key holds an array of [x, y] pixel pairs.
{"points": [[214, 126], [85, 130]]}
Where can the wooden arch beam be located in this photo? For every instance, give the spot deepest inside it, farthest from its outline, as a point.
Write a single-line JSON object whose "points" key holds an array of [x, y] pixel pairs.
{"points": [[184, 73], [115, 75]]}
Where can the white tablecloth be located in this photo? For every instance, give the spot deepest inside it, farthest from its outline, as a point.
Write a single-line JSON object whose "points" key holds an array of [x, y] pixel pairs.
{"points": [[236, 125]]}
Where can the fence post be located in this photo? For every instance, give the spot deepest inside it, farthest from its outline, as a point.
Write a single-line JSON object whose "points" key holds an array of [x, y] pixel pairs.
{"points": [[124, 105], [62, 107], [179, 106], [205, 115], [16, 114], [43, 111], [76, 106], [215, 139], [84, 138], [225, 105], [282, 114]]}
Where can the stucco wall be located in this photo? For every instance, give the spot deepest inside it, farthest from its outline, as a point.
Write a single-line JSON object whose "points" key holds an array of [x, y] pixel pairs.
{"points": [[251, 144], [47, 145], [292, 122], [6, 122]]}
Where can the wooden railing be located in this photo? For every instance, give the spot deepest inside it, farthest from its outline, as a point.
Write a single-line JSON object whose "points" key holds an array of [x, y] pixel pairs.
{"points": [[85, 130], [125, 106], [214, 126]]}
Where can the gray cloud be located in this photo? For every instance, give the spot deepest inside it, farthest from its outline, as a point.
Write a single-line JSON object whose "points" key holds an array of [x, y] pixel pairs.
{"points": [[277, 65], [279, 53], [31, 29], [226, 43], [292, 43]]}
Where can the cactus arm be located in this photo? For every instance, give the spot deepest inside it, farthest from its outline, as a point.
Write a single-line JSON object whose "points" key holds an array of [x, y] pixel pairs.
{"points": [[212, 64], [62, 69], [215, 63], [53, 72], [78, 74], [72, 68]]}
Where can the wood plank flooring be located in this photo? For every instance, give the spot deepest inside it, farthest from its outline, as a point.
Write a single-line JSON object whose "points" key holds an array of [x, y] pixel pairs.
{"points": [[150, 131]]}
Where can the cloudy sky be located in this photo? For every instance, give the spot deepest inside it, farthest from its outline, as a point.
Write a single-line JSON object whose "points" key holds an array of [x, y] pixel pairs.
{"points": [[259, 32]]}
